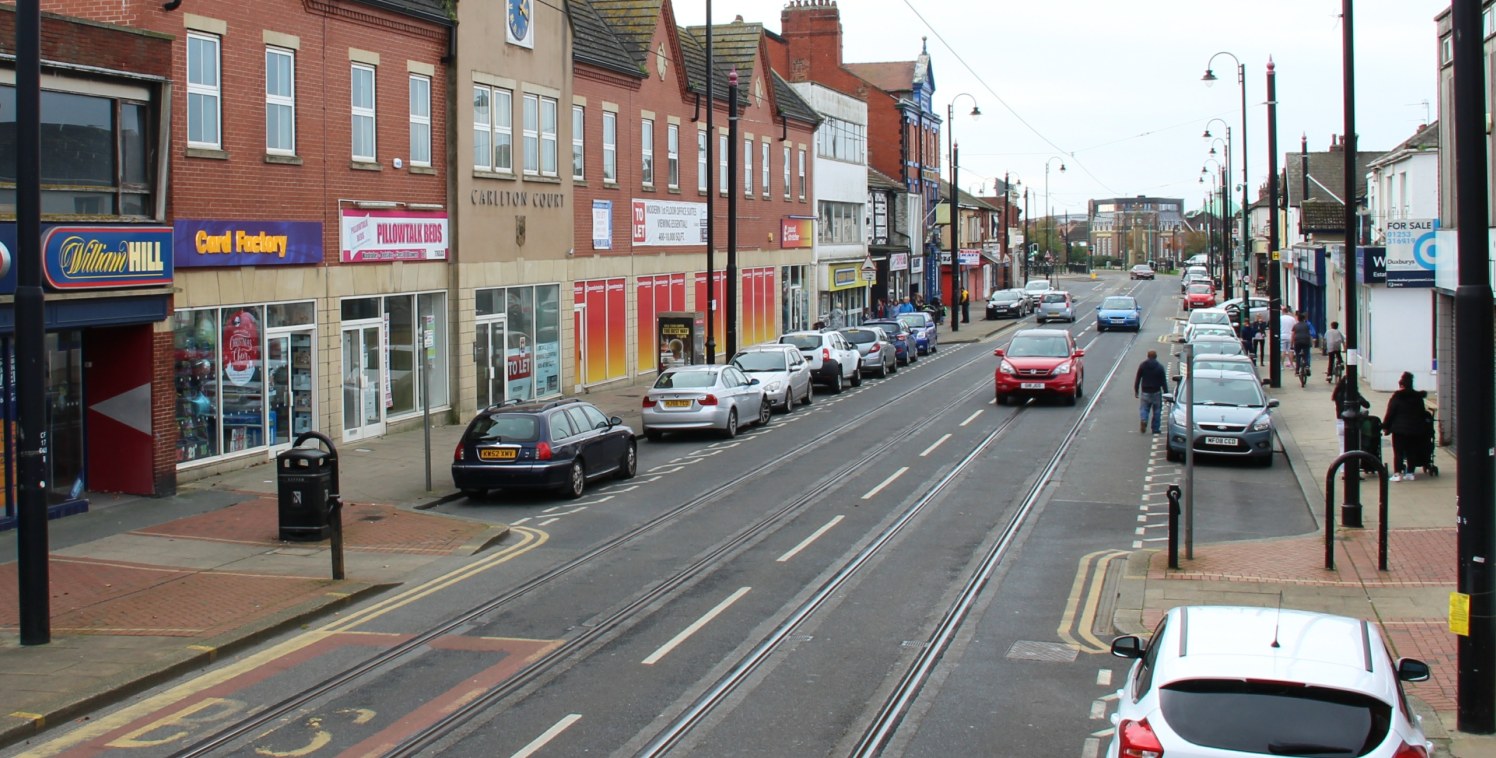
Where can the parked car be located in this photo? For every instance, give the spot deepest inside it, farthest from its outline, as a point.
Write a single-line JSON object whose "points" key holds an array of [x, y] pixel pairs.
{"points": [[902, 339], [1191, 272], [1040, 362], [1224, 681], [1199, 295], [1033, 290], [1238, 363], [1008, 304], [783, 371], [926, 335], [1055, 305], [1199, 330], [1257, 306], [1119, 312], [703, 397], [833, 361], [555, 445], [876, 349], [1217, 344], [1140, 271], [1233, 417]]}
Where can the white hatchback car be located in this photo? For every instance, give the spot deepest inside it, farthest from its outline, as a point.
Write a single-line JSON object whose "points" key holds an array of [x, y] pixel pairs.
{"points": [[784, 373], [833, 360], [1220, 681]]}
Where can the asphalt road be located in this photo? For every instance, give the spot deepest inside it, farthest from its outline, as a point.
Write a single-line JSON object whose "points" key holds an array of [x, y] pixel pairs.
{"points": [[905, 568]]}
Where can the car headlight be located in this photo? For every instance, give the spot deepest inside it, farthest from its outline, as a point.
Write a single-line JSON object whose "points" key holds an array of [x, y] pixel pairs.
{"points": [[773, 387], [1007, 368], [1263, 423], [1063, 368]]}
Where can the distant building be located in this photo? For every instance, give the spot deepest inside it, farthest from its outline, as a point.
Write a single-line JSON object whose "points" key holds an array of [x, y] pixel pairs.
{"points": [[1133, 230]]}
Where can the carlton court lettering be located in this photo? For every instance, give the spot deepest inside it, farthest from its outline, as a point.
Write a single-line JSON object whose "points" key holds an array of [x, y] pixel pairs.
{"points": [[506, 198]]}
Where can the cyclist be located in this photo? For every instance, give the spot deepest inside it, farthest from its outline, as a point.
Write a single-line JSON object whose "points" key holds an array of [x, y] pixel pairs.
{"points": [[1303, 339], [1334, 343]]}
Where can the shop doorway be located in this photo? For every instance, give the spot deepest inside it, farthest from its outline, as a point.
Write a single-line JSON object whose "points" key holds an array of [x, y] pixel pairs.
{"points": [[288, 362], [488, 354], [363, 395]]}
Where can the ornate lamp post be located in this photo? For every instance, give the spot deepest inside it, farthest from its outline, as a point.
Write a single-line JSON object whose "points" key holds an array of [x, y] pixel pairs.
{"points": [[1246, 238], [950, 119], [1049, 205]]}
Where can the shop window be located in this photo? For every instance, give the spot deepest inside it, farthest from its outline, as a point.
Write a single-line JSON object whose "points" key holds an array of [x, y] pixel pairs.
{"points": [[196, 341]]}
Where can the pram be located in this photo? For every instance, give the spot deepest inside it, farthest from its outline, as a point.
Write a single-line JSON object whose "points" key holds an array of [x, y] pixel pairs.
{"points": [[1424, 455], [1371, 436]]}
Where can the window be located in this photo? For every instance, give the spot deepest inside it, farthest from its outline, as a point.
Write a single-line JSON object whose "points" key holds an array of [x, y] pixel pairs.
{"points": [[482, 129], [203, 108], [420, 121], [531, 126], [840, 223], [801, 158], [549, 116], [841, 140], [647, 152], [701, 160], [764, 169], [610, 147], [363, 113], [748, 166], [722, 177], [105, 167], [578, 120], [786, 172], [280, 101], [672, 155], [503, 130]]}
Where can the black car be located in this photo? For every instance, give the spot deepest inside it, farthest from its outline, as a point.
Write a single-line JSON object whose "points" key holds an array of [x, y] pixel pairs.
{"points": [[1007, 304], [555, 445]]}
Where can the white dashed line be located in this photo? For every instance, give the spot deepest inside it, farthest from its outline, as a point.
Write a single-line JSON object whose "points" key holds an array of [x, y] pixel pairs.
{"points": [[548, 735], [812, 538], [934, 445], [695, 627], [874, 491]]}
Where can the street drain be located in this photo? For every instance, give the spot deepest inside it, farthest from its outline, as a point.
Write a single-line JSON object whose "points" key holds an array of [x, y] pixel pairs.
{"points": [[1050, 652]]}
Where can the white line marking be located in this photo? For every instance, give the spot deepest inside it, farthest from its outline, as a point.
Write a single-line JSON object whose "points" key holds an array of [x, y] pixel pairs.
{"points": [[1137, 544], [524, 520], [1091, 748], [812, 538], [971, 418], [1098, 710], [548, 735], [548, 522], [874, 491], [1104, 678], [936, 444], [695, 627]]}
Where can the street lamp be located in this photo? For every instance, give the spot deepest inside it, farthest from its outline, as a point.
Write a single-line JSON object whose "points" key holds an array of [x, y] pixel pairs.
{"points": [[950, 119], [1222, 261], [1049, 240], [1246, 239], [1217, 199]]}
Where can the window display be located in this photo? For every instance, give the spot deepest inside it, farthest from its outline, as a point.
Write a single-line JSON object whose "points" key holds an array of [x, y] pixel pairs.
{"points": [[196, 340]]}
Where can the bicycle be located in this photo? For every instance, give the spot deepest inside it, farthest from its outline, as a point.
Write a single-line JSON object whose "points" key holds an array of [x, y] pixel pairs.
{"points": [[1301, 364], [1337, 368]]}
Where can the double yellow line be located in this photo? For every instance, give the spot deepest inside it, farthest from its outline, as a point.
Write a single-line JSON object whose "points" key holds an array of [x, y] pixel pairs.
{"points": [[1085, 600]]}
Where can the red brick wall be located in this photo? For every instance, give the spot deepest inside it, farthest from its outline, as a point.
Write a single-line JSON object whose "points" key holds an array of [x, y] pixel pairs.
{"points": [[68, 40], [163, 415]]}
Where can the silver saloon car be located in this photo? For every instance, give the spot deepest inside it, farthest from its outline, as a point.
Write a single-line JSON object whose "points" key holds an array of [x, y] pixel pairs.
{"points": [[686, 398]]}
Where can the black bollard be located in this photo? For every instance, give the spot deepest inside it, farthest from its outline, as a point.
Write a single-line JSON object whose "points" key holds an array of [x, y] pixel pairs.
{"points": [[1175, 493]]}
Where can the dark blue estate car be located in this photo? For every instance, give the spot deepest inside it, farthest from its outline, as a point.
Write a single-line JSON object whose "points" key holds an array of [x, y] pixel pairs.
{"points": [[554, 445], [923, 327], [900, 336]]}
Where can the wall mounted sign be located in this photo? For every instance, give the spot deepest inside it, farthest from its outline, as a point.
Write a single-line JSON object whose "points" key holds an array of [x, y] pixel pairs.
{"points": [[214, 242], [377, 236], [665, 223], [602, 224], [797, 232], [898, 262], [98, 257], [1412, 252], [519, 26]]}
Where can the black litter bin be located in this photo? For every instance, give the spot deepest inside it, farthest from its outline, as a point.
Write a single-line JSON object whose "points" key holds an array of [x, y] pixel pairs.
{"points": [[304, 482]]}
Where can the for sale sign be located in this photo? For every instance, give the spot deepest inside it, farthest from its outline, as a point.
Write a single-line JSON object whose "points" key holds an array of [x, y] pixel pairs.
{"points": [[1412, 253]]}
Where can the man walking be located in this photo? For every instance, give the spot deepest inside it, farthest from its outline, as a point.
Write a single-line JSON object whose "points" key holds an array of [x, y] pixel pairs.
{"points": [[1148, 386], [965, 306]]}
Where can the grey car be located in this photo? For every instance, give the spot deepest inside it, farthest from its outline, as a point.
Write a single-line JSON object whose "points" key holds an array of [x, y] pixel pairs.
{"points": [[1233, 417], [684, 398], [784, 373], [878, 357], [1056, 305]]}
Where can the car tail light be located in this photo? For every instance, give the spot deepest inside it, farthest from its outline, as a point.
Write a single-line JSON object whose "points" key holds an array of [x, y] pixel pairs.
{"points": [[649, 402], [825, 354], [543, 451], [1137, 740], [457, 454], [1410, 751], [875, 348], [708, 400]]}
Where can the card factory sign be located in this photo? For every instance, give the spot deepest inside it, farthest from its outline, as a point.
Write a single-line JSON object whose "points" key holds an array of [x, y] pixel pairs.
{"points": [[247, 243], [91, 257], [664, 223], [394, 235]]}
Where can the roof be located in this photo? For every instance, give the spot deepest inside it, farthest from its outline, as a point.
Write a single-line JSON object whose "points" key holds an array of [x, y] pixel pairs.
{"points": [[878, 180], [632, 22], [1425, 139], [595, 42], [892, 76], [1326, 175], [790, 103], [965, 198], [427, 10]]}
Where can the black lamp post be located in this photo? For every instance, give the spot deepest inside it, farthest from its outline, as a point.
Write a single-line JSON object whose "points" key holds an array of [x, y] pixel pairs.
{"points": [[1274, 288], [1049, 206], [950, 119], [1246, 239]]}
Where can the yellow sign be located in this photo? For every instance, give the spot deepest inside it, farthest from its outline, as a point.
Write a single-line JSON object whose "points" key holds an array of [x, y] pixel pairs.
{"points": [[844, 276], [1459, 613], [1275, 254]]}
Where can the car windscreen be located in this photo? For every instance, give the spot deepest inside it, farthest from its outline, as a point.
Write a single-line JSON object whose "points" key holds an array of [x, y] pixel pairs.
{"points": [[1223, 365], [1006, 296], [802, 341], [1036, 286], [1119, 304], [1263, 717], [860, 336], [1039, 347], [686, 380], [1217, 347], [505, 427], [912, 321], [1209, 317], [1199, 289], [1234, 391], [760, 360]]}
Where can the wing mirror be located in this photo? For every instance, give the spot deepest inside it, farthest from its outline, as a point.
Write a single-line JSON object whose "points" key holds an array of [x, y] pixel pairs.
{"points": [[1272, 403], [1168, 397], [615, 421], [1128, 646], [1412, 670], [1080, 353]]}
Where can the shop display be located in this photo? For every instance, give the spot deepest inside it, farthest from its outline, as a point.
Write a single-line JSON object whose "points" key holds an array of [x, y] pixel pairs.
{"points": [[196, 346]]}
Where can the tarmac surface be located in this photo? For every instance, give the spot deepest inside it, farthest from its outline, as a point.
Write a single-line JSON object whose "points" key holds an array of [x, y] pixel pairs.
{"points": [[144, 589]]}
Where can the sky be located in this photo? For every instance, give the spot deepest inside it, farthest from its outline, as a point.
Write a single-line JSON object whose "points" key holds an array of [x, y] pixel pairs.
{"points": [[1113, 90]]}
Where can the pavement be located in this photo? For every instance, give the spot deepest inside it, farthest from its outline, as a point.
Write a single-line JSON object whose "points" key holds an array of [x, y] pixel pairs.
{"points": [[145, 589]]}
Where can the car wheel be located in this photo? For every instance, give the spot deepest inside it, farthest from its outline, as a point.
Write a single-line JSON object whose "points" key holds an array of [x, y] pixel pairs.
{"points": [[629, 466], [810, 392], [1172, 456], [882, 370], [836, 383], [653, 435], [473, 494], [1070, 399], [1002, 399], [789, 399], [731, 430], [1100, 329], [765, 410], [857, 375], [1266, 461], [576, 480], [1080, 387]]}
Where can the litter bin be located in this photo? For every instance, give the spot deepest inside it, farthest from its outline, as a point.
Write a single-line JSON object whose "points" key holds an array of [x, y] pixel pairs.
{"points": [[304, 478]]}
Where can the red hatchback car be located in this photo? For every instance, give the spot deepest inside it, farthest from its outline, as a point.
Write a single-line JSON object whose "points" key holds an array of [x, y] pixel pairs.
{"points": [[1040, 362], [1199, 296]]}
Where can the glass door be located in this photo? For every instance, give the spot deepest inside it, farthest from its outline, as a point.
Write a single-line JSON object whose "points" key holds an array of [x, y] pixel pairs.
{"points": [[363, 396], [488, 354], [289, 362]]}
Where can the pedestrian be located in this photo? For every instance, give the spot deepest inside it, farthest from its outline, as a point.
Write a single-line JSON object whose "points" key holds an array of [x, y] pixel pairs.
{"points": [[1286, 323], [1344, 392], [965, 306], [905, 306], [1302, 335], [1248, 339], [881, 309], [1404, 420], [1148, 386], [1334, 347], [1259, 339]]}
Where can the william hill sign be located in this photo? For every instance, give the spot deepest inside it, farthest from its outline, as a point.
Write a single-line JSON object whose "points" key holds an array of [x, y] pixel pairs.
{"points": [[96, 257]]}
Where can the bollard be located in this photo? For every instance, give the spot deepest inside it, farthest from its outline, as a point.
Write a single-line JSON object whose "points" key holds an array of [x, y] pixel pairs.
{"points": [[1375, 465], [1175, 493], [334, 502]]}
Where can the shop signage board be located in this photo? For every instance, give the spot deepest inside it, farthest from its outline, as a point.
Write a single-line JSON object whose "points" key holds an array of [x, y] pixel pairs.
{"points": [[796, 232], [101, 257], [1412, 252], [666, 223], [898, 262], [216, 242], [379, 236], [602, 224]]}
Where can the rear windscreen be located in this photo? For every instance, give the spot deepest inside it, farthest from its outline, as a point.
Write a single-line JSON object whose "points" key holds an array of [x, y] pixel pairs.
{"points": [[678, 380], [511, 427], [859, 336], [1274, 718], [802, 341]]}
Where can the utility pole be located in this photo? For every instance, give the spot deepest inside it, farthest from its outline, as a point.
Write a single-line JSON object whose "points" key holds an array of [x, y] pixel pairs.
{"points": [[711, 194], [732, 213], [1274, 287], [1350, 407]]}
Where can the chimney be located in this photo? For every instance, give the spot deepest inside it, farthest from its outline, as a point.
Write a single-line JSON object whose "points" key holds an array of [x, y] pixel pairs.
{"points": [[813, 31]]}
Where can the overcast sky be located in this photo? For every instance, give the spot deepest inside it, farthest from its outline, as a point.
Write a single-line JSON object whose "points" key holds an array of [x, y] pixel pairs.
{"points": [[1113, 88]]}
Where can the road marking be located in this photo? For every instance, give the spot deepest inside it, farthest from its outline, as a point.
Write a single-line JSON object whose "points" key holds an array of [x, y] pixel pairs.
{"points": [[971, 418], [1098, 709], [686, 633], [812, 538], [1104, 678], [936, 444], [1079, 617], [1091, 748], [548, 735], [548, 522], [874, 491]]}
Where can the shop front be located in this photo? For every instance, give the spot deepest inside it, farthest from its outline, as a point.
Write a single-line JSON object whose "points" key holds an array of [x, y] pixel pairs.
{"points": [[844, 293], [1309, 270], [517, 346], [794, 302], [106, 291]]}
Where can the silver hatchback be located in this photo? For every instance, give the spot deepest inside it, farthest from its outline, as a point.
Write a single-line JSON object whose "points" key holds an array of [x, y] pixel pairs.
{"points": [[876, 348], [1056, 305]]}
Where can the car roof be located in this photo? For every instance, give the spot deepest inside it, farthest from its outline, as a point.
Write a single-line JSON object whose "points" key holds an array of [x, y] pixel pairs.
{"points": [[691, 367], [811, 332], [1237, 642], [769, 347], [1209, 336], [532, 406], [1042, 332]]}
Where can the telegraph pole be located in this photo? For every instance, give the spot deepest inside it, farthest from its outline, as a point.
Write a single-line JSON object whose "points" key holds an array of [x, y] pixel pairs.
{"points": [[711, 194], [1350, 406], [1274, 287], [732, 213]]}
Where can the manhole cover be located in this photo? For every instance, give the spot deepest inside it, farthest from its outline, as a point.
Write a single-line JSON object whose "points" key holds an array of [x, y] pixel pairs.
{"points": [[1030, 650]]}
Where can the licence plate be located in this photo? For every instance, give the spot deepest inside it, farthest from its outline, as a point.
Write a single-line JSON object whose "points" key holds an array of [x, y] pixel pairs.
{"points": [[1226, 441], [677, 403], [1031, 385], [497, 454]]}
